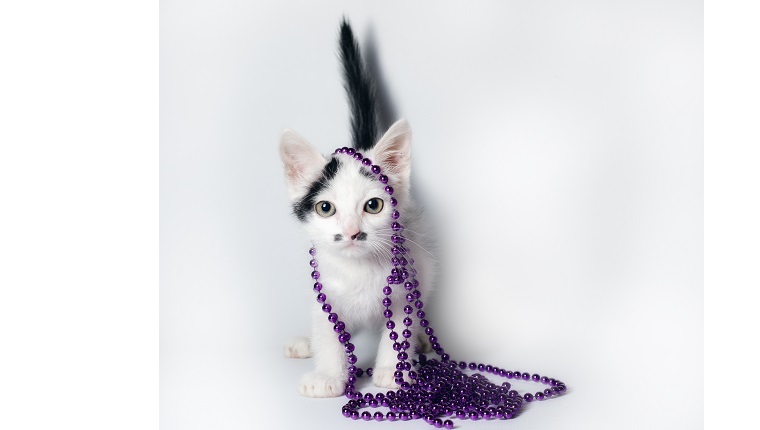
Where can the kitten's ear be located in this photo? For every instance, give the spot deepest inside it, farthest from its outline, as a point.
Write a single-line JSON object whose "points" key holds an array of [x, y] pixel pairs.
{"points": [[301, 161], [393, 152]]}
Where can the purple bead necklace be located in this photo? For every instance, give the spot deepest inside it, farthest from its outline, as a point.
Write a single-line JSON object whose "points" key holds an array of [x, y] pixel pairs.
{"points": [[438, 388]]}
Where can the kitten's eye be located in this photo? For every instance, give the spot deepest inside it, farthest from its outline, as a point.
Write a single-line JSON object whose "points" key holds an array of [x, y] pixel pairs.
{"points": [[324, 209], [374, 206]]}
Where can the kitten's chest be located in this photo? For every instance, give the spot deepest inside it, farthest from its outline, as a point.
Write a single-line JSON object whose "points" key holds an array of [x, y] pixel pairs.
{"points": [[354, 290]]}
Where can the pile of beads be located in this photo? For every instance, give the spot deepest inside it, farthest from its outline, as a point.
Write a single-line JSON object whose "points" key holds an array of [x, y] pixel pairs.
{"points": [[438, 387]]}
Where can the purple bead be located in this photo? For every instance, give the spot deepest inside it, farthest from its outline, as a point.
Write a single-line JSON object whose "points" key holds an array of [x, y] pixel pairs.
{"points": [[326, 308], [315, 275], [317, 287], [366, 162], [390, 325], [366, 416], [387, 313], [358, 156], [544, 380], [393, 335], [390, 416], [539, 396], [394, 202], [352, 359], [333, 317], [350, 151], [344, 337], [349, 347], [448, 424], [313, 263], [528, 397], [536, 377], [339, 326], [437, 423], [321, 297], [389, 190], [312, 251], [396, 226], [378, 416], [386, 301], [375, 169], [387, 291], [420, 314], [354, 415], [383, 179]]}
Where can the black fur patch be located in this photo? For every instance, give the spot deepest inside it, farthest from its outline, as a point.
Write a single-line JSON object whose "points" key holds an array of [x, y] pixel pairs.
{"points": [[338, 237], [361, 236], [360, 90], [303, 207], [367, 174]]}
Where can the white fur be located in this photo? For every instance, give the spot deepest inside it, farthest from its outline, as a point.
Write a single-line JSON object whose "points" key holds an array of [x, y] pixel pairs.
{"points": [[353, 273]]}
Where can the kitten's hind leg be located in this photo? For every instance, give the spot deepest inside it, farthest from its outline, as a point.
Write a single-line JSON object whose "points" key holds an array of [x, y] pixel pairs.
{"points": [[298, 347], [423, 343]]}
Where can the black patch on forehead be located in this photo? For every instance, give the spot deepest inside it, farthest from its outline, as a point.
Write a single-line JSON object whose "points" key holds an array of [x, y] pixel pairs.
{"points": [[305, 205]]}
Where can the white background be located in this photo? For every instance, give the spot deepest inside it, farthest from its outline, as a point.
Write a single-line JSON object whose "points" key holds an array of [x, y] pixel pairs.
{"points": [[558, 150]]}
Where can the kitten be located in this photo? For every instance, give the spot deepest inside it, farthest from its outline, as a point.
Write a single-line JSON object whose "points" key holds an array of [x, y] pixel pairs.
{"points": [[347, 215]]}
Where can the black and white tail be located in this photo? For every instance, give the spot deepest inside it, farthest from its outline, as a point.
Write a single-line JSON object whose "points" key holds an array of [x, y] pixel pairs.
{"points": [[360, 90]]}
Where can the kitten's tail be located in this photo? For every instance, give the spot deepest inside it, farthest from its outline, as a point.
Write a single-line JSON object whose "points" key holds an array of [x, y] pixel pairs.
{"points": [[360, 89]]}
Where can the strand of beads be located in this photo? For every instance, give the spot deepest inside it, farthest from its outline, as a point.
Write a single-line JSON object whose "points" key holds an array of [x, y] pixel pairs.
{"points": [[438, 388]]}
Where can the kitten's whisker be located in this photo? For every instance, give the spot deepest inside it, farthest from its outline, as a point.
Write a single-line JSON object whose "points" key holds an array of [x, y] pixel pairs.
{"points": [[417, 244]]}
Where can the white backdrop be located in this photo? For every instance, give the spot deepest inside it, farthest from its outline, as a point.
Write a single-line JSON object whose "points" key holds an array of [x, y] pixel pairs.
{"points": [[558, 150]]}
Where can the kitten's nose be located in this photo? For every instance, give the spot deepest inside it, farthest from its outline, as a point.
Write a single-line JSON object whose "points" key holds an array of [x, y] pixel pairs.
{"points": [[354, 235]]}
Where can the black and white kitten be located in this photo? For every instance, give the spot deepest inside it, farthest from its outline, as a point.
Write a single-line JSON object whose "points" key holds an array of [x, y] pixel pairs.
{"points": [[347, 215]]}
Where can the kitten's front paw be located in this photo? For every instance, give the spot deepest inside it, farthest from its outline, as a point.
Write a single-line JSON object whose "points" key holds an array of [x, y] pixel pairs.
{"points": [[383, 377], [320, 385], [298, 347]]}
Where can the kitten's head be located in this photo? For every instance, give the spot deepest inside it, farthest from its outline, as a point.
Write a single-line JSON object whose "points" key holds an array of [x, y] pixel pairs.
{"points": [[343, 206]]}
